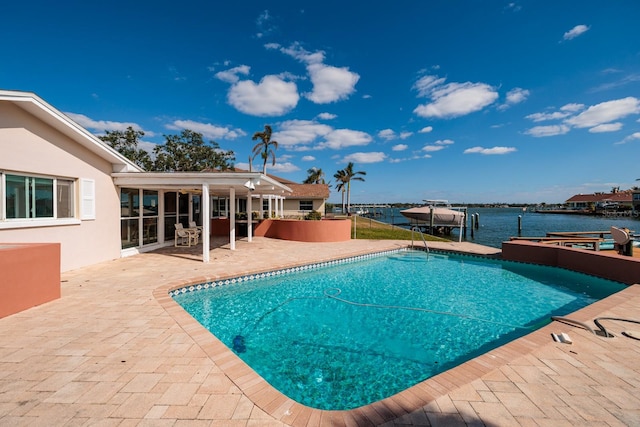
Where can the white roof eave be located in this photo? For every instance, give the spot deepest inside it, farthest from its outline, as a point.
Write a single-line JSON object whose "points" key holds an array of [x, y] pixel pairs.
{"points": [[262, 184]]}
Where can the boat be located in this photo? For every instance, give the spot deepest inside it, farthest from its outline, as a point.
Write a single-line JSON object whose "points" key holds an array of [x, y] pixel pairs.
{"points": [[443, 216]]}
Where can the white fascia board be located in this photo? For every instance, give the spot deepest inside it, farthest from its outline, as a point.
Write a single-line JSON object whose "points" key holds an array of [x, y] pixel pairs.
{"points": [[183, 180]]}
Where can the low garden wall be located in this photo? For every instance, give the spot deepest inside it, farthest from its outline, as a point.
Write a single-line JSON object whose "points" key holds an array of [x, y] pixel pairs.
{"points": [[30, 275], [326, 230], [611, 266]]}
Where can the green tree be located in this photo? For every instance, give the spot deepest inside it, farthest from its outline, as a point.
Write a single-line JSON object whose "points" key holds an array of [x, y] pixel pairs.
{"points": [[188, 152], [126, 143], [350, 175], [341, 184], [316, 176], [265, 148]]}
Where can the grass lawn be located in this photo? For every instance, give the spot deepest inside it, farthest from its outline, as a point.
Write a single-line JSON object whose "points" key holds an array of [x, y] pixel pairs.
{"points": [[367, 228]]}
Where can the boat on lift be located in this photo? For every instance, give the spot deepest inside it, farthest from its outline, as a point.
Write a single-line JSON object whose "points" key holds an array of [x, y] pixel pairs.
{"points": [[436, 213]]}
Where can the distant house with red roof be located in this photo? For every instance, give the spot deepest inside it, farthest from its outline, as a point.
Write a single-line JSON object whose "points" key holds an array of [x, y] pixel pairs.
{"points": [[597, 201], [304, 198]]}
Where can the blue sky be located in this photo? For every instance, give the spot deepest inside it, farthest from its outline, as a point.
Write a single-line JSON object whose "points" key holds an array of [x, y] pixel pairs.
{"points": [[470, 101]]}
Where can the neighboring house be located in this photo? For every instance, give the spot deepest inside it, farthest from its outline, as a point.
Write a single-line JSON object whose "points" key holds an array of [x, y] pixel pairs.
{"points": [[304, 198], [598, 201], [61, 184]]}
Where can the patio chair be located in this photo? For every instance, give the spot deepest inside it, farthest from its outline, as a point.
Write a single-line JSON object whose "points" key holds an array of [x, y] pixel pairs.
{"points": [[185, 236], [197, 228]]}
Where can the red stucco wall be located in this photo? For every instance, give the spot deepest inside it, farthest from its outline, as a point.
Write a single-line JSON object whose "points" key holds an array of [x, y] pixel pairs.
{"points": [[326, 230], [29, 275], [611, 266]]}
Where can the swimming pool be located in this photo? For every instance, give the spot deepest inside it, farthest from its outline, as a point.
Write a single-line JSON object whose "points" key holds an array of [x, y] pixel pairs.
{"points": [[344, 334]]}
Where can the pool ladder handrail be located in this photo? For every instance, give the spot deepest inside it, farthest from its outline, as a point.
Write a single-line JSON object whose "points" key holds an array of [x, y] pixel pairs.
{"points": [[417, 230]]}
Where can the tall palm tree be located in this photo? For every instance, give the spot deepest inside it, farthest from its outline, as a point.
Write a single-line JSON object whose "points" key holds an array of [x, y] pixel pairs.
{"points": [[316, 176], [349, 176], [264, 147], [341, 184]]}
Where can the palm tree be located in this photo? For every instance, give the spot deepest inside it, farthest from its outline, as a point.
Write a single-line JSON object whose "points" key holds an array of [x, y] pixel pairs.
{"points": [[264, 147], [350, 175], [316, 176], [341, 184]]}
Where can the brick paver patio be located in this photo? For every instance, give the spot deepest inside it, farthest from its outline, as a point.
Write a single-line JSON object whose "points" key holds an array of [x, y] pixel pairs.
{"points": [[116, 351]]}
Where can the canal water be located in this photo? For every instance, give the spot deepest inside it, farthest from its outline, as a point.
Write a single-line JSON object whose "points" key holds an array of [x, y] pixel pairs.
{"points": [[497, 225]]}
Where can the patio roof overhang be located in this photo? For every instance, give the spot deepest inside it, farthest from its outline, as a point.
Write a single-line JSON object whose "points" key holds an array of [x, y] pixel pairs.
{"points": [[219, 183]]}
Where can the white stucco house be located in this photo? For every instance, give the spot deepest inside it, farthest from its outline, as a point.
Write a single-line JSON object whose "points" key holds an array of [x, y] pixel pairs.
{"points": [[59, 183]]}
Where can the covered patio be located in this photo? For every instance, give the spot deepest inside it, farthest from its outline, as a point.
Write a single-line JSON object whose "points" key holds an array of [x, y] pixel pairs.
{"points": [[208, 186]]}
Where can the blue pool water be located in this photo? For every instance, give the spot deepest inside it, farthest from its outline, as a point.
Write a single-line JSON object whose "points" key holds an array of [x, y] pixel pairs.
{"points": [[349, 334]]}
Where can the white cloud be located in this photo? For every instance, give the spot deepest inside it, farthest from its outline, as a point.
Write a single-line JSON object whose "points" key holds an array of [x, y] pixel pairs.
{"points": [[514, 96], [431, 148], [330, 84], [308, 158], [609, 127], [606, 112], [541, 117], [300, 132], [440, 144], [231, 75], [387, 134], [207, 129], [282, 167], [271, 97], [631, 138], [374, 157], [490, 151], [342, 138], [426, 84], [399, 147], [405, 135], [104, 125], [444, 142], [572, 107], [326, 116], [552, 130], [575, 32], [453, 99], [426, 129], [565, 111], [264, 24]]}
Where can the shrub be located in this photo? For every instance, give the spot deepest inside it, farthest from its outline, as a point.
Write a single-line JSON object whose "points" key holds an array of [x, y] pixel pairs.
{"points": [[313, 216]]}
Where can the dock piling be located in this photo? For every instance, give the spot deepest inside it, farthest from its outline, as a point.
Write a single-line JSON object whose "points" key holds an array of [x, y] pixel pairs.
{"points": [[519, 225]]}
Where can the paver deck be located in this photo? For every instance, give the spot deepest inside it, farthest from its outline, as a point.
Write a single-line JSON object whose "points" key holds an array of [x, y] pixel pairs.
{"points": [[115, 350]]}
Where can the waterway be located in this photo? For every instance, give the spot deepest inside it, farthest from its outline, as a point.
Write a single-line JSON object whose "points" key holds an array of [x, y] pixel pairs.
{"points": [[497, 225]]}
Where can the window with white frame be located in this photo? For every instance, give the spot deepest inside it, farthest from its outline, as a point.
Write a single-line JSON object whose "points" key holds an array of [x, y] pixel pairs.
{"points": [[306, 205], [36, 197]]}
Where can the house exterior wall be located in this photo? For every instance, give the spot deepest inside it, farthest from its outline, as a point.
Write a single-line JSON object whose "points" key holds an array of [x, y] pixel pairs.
{"points": [[292, 207], [30, 147]]}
